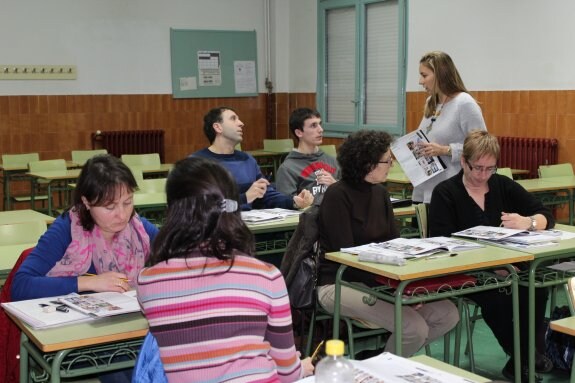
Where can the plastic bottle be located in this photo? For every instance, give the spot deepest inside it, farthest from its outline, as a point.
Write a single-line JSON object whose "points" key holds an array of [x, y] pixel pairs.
{"points": [[334, 368]]}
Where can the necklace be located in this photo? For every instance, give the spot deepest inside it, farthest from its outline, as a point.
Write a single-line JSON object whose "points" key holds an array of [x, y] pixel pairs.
{"points": [[436, 114]]}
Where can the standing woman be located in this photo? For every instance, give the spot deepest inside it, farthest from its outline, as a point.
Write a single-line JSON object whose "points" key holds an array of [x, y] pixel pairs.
{"points": [[450, 114], [217, 313]]}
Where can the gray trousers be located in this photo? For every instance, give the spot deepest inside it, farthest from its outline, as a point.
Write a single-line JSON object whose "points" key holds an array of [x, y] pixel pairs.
{"points": [[419, 326]]}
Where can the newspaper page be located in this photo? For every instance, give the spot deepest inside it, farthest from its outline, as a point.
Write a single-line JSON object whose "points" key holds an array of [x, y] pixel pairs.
{"points": [[416, 167]]}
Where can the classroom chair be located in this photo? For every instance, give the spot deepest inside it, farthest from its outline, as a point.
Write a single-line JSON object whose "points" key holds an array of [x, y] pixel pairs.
{"points": [[284, 145], [141, 160], [152, 185], [18, 161], [330, 150], [559, 170], [80, 157], [47, 186], [421, 214], [505, 172]]}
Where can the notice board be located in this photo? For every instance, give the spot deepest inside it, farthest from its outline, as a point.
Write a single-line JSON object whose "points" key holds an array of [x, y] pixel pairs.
{"points": [[209, 63]]}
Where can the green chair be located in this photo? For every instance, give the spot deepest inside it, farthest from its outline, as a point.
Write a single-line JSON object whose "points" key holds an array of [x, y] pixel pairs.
{"points": [[421, 214], [141, 160], [559, 170], [330, 150], [80, 157], [47, 186], [284, 145], [505, 172], [152, 185], [21, 233], [18, 162]]}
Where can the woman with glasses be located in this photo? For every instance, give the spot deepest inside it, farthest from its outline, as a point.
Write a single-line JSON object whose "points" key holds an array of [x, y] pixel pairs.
{"points": [[450, 113], [357, 210], [477, 195]]}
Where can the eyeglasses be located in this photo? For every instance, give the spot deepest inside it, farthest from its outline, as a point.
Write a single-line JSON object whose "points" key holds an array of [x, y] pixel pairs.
{"points": [[389, 162], [482, 169]]}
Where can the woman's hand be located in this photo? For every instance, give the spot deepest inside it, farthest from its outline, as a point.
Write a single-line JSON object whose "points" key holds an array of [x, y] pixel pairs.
{"points": [[515, 221], [307, 367], [109, 281], [432, 149]]}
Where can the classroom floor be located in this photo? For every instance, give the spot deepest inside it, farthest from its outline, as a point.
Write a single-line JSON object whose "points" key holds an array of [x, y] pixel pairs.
{"points": [[490, 358]]}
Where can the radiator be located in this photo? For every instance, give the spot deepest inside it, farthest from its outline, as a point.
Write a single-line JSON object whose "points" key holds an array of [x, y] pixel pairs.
{"points": [[528, 153], [130, 142]]}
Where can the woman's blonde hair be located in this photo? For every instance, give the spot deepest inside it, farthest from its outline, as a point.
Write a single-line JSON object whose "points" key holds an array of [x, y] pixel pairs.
{"points": [[447, 79], [479, 143]]}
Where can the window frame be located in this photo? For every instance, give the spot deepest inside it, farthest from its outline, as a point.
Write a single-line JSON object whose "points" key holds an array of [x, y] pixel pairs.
{"points": [[343, 129]]}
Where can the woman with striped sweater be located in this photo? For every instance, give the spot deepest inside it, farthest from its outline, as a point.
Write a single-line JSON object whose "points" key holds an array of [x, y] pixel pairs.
{"points": [[217, 313]]}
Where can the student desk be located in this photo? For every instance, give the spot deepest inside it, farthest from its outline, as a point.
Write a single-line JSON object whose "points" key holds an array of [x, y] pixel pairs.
{"points": [[537, 276], [18, 216], [264, 157], [51, 176], [403, 183], [154, 170], [543, 187], [84, 348], [566, 326], [474, 262]]}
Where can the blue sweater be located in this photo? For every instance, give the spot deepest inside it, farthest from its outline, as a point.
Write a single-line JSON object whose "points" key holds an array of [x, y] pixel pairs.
{"points": [[246, 171], [31, 281]]}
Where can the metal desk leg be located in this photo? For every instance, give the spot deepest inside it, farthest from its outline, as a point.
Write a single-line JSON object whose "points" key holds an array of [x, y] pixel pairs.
{"points": [[571, 213], [337, 301], [6, 181], [23, 359], [531, 315], [516, 335], [398, 320]]}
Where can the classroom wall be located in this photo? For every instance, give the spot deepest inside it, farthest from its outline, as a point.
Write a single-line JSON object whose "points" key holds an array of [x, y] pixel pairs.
{"points": [[512, 55]]}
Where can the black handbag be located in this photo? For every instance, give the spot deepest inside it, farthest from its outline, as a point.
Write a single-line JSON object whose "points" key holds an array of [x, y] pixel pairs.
{"points": [[301, 290]]}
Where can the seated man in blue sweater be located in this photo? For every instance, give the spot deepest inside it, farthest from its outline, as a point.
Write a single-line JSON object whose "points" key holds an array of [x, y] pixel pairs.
{"points": [[224, 130]]}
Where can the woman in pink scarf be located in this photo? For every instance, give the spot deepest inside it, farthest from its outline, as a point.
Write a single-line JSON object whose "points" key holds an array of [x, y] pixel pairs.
{"points": [[100, 234]]}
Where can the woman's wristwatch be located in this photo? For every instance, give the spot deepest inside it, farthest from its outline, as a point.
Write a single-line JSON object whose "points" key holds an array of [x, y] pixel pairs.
{"points": [[533, 226], [448, 150]]}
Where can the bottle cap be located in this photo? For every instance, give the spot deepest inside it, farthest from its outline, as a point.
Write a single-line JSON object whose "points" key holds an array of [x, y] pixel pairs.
{"points": [[334, 347]]}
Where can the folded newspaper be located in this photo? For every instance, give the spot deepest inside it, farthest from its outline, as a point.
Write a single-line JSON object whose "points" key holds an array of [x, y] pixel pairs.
{"points": [[267, 215], [397, 250], [511, 237]]}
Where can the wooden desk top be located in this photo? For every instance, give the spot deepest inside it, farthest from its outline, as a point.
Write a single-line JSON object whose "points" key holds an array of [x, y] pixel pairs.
{"points": [[111, 329], [56, 175], [265, 153], [142, 200], [27, 215], [397, 178], [9, 254], [151, 169], [565, 325], [547, 184], [22, 168], [468, 260]]}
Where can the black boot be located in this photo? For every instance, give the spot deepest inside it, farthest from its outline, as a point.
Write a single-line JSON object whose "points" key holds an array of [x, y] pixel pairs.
{"points": [[509, 373]]}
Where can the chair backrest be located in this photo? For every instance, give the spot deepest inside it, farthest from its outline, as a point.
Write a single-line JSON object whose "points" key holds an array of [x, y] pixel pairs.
{"points": [[153, 185], [150, 159], [47, 165], [505, 172], [283, 145], [81, 156], [21, 232], [17, 160], [329, 150], [558, 170], [421, 214]]}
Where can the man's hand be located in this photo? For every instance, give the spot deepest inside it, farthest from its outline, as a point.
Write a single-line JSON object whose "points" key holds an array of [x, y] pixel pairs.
{"points": [[257, 190], [325, 178], [303, 199]]}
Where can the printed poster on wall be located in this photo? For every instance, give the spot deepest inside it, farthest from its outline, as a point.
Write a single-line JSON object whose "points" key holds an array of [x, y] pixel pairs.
{"points": [[209, 68]]}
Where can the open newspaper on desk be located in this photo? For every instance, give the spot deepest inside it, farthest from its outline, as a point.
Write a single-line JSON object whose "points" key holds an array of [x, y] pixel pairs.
{"points": [[416, 166], [390, 368], [74, 308], [512, 238], [261, 216], [398, 250]]}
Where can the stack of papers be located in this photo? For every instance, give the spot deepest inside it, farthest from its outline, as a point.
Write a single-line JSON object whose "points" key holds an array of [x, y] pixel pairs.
{"points": [[512, 237], [51, 312], [267, 215], [395, 250]]}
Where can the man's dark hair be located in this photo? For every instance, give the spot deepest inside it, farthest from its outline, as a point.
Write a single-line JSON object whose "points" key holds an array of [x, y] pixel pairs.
{"points": [[213, 116], [298, 117]]}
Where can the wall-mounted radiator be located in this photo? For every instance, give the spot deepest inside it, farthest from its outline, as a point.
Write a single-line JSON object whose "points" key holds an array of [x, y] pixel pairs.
{"points": [[528, 153], [130, 142]]}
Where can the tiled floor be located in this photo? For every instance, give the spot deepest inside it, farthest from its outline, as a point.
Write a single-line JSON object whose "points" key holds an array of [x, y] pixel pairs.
{"points": [[490, 358]]}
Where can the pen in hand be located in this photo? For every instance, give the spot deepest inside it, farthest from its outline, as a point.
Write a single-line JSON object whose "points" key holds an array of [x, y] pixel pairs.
{"points": [[314, 355]]}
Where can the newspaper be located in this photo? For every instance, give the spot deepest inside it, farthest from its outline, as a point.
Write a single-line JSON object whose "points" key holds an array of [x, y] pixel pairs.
{"points": [[511, 237], [416, 167]]}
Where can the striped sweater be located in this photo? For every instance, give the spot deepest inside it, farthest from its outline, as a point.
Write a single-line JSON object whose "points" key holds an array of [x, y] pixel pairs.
{"points": [[218, 325]]}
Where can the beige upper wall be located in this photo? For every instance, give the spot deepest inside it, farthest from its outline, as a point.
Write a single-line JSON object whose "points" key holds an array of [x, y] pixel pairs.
{"points": [[122, 46]]}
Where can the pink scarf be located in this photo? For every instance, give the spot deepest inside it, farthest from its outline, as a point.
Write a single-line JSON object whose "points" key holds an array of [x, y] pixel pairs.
{"points": [[126, 254]]}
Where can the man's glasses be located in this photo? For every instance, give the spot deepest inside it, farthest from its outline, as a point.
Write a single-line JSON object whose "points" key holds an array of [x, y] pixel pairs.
{"points": [[482, 169]]}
